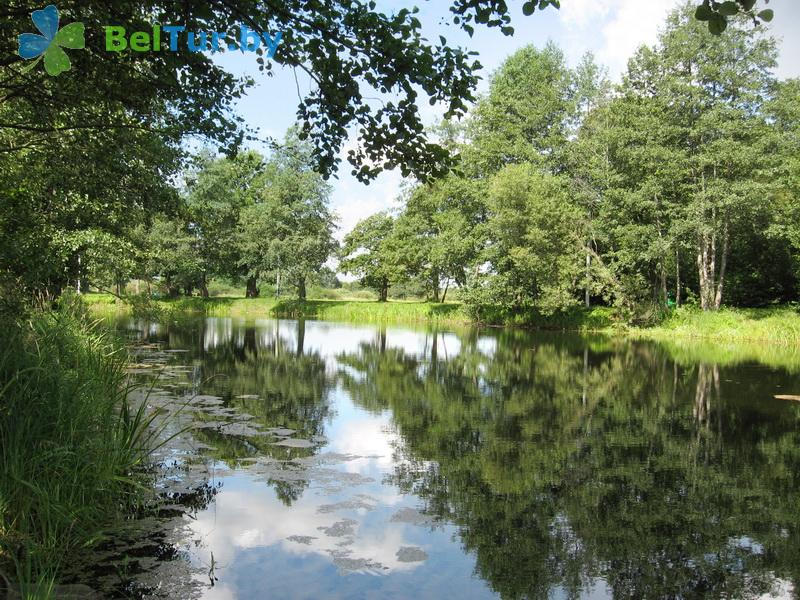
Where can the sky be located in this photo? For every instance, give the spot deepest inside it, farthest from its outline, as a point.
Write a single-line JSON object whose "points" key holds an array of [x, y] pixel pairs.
{"points": [[611, 29]]}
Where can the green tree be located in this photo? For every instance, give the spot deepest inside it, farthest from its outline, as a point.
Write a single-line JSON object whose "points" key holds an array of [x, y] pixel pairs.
{"points": [[709, 94], [288, 232], [437, 237], [525, 116], [218, 190], [365, 254], [535, 256], [173, 256]]}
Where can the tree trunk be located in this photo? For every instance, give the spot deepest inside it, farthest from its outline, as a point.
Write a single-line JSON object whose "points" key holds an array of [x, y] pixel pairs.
{"points": [[446, 287], [203, 287], [677, 277], [712, 282], [435, 292], [301, 288], [722, 267], [588, 299], [383, 292], [278, 284], [252, 288]]}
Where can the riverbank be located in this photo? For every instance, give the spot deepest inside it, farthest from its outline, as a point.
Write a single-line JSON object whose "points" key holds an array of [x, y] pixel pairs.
{"points": [[72, 451], [780, 325], [358, 311]]}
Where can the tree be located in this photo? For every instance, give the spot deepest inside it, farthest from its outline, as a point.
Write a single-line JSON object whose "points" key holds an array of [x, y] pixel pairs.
{"points": [[438, 235], [784, 112], [365, 254], [535, 255], [526, 114], [288, 231], [218, 190], [705, 95], [172, 255]]}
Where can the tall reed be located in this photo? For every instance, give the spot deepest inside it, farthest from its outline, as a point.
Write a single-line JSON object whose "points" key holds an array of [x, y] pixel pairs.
{"points": [[72, 450]]}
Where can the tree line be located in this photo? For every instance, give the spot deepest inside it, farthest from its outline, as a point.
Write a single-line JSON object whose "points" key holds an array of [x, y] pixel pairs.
{"points": [[677, 185], [680, 184]]}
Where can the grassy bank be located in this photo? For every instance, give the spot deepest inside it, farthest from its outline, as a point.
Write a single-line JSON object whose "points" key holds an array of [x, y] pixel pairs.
{"points": [[360, 311], [69, 446], [772, 325]]}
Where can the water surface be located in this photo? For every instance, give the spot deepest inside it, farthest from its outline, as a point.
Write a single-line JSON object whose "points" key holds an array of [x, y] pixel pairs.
{"points": [[329, 460]]}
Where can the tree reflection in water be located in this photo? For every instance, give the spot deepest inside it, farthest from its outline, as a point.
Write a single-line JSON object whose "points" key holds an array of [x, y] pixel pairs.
{"points": [[564, 461]]}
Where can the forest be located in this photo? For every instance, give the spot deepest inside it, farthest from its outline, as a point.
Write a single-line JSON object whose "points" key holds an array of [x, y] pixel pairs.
{"points": [[677, 186]]}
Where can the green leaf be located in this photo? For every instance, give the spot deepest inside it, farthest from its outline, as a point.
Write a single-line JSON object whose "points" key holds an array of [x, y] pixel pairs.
{"points": [[71, 36], [729, 8], [56, 61], [766, 15], [717, 24], [747, 4], [703, 13], [528, 8]]}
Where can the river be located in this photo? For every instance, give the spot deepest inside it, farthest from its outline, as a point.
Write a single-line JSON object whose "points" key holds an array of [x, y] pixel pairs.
{"points": [[328, 460]]}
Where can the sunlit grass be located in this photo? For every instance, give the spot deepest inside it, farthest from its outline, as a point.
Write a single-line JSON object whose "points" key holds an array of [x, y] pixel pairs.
{"points": [[773, 325]]}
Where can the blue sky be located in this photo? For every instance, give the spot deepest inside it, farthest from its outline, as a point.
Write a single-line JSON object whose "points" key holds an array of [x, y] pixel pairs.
{"points": [[611, 29]]}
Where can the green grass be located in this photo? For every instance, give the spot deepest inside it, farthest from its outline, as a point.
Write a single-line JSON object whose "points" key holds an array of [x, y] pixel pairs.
{"points": [[771, 325], [104, 305], [72, 452]]}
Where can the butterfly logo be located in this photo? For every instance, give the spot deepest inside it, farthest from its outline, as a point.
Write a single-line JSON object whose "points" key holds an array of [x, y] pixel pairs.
{"points": [[50, 44]]}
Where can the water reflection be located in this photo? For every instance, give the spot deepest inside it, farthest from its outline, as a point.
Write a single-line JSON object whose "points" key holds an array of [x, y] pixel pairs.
{"points": [[390, 462]]}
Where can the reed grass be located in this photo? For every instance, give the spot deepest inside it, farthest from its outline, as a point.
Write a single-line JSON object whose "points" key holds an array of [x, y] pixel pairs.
{"points": [[72, 450], [779, 325]]}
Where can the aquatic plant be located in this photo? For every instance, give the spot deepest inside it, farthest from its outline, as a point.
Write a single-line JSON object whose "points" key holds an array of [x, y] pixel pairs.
{"points": [[73, 451]]}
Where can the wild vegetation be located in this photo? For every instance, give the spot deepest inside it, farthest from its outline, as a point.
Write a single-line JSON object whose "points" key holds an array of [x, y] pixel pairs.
{"points": [[72, 449], [556, 189], [676, 187]]}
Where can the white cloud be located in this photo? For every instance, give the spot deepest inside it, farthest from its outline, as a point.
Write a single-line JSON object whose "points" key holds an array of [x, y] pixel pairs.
{"points": [[354, 201], [581, 13], [612, 29], [787, 19]]}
